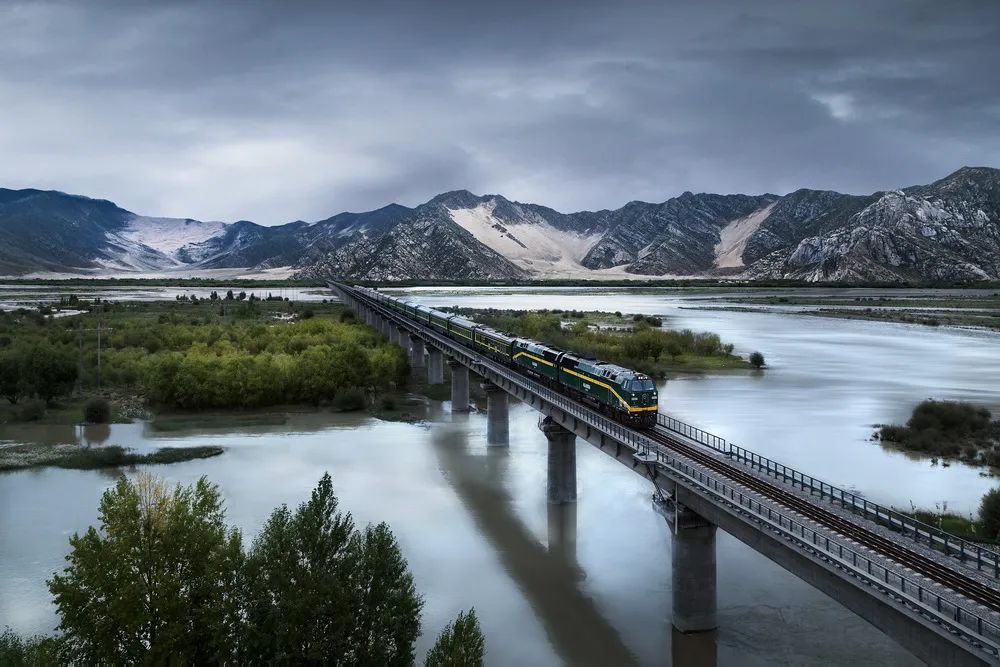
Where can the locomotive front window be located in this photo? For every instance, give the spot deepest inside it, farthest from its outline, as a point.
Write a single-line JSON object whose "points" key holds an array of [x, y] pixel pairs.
{"points": [[641, 385]]}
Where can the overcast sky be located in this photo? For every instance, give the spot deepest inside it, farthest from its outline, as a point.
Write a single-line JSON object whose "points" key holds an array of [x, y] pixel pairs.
{"points": [[281, 111]]}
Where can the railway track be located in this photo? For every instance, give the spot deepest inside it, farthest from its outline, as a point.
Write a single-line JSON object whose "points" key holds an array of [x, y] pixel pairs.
{"points": [[930, 568]]}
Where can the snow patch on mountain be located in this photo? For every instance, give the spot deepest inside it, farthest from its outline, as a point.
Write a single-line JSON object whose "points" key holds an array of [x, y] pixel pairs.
{"points": [[168, 235], [734, 236], [532, 243]]}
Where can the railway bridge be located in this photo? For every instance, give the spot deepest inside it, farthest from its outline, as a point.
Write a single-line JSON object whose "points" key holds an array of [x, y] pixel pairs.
{"points": [[935, 594]]}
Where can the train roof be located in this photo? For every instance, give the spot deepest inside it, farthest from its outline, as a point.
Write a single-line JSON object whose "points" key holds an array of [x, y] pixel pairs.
{"points": [[604, 368]]}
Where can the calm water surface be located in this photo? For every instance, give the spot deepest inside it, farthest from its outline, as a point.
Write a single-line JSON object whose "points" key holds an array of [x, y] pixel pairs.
{"points": [[592, 583]]}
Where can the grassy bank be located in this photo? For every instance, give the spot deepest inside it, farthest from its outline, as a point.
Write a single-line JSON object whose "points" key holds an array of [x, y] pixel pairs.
{"points": [[634, 341], [20, 457]]}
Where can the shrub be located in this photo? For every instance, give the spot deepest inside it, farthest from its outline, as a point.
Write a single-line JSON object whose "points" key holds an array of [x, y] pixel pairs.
{"points": [[953, 418], [308, 314], [97, 411], [31, 410], [757, 359], [989, 514], [893, 433], [388, 403], [350, 400], [461, 643]]}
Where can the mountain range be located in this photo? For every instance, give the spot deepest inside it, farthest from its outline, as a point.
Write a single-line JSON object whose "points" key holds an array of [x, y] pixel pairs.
{"points": [[947, 230]]}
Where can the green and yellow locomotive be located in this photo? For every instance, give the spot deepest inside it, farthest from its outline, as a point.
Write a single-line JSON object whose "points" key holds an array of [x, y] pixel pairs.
{"points": [[621, 393]]}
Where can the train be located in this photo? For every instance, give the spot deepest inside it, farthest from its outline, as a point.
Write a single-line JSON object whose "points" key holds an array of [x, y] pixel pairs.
{"points": [[623, 394]]}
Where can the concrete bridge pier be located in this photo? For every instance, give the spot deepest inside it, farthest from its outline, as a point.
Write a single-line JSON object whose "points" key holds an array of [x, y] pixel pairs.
{"points": [[403, 339], [459, 386], [562, 462], [497, 423], [694, 572], [416, 352], [435, 366]]}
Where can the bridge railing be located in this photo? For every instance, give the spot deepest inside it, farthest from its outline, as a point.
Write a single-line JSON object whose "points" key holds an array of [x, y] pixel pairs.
{"points": [[912, 592], [985, 559], [915, 592]]}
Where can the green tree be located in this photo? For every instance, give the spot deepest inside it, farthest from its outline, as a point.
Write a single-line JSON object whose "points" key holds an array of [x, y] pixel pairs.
{"points": [[388, 618], [11, 375], [325, 593], [33, 652], [97, 411], [460, 644], [157, 583], [989, 514], [756, 359], [302, 604], [49, 370]]}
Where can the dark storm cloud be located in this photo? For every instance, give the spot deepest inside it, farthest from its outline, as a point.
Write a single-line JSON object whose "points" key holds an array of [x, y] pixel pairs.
{"points": [[281, 111]]}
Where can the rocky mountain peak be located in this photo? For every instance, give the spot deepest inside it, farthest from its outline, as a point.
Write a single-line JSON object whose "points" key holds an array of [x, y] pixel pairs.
{"points": [[948, 230]]}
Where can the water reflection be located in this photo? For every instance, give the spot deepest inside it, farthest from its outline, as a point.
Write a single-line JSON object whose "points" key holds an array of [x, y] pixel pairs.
{"points": [[562, 534], [95, 435], [696, 648], [577, 630]]}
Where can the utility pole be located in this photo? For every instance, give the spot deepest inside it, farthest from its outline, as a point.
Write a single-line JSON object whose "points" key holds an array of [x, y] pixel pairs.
{"points": [[98, 355], [100, 329]]}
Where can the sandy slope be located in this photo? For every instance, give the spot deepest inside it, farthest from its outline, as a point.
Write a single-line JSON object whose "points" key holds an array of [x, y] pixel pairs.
{"points": [[734, 236], [168, 235]]}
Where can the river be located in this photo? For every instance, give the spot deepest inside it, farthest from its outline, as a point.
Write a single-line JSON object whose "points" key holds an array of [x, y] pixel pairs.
{"points": [[549, 584]]}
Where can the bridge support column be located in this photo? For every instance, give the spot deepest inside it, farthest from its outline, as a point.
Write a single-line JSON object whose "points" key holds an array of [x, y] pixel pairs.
{"points": [[403, 339], [459, 386], [416, 352], [694, 572], [562, 462], [435, 366], [497, 424]]}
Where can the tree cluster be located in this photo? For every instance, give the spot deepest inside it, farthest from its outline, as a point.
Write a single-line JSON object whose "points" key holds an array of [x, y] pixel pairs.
{"points": [[164, 580], [37, 368], [185, 355]]}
